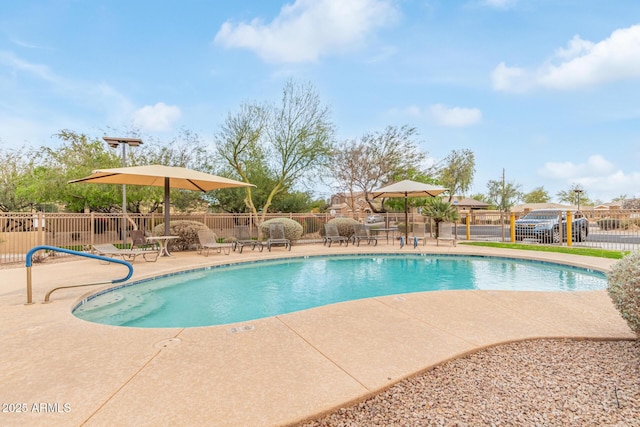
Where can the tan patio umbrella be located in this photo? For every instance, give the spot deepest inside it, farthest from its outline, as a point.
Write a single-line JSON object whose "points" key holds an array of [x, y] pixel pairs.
{"points": [[406, 189], [162, 176]]}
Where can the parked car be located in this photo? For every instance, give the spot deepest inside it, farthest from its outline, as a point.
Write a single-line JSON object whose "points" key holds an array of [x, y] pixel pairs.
{"points": [[372, 219], [544, 225]]}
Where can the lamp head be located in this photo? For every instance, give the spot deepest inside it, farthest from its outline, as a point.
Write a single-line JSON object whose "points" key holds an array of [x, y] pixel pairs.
{"points": [[114, 142]]}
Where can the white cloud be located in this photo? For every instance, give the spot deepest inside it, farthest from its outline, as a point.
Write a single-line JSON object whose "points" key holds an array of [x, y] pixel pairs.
{"points": [[455, 116], [599, 177], [581, 64], [499, 4], [509, 79], [38, 70], [156, 118], [442, 115], [595, 166], [98, 100], [308, 29], [576, 48]]}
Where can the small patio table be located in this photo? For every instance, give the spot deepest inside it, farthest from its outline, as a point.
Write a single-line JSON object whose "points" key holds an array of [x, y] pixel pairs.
{"points": [[386, 230], [163, 242]]}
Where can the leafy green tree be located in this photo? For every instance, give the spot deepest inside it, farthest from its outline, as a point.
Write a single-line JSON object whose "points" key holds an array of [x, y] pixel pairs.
{"points": [[575, 195], [319, 205], [296, 201], [16, 171], [503, 195], [376, 159], [76, 158], [287, 143], [457, 172], [537, 195], [440, 210]]}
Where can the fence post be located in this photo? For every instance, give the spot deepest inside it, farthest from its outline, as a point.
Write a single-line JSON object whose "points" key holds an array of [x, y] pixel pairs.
{"points": [[569, 228], [92, 228], [468, 224], [41, 226], [512, 227]]}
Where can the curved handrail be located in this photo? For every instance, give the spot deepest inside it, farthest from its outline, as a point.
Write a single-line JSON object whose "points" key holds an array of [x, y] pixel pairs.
{"points": [[72, 252]]}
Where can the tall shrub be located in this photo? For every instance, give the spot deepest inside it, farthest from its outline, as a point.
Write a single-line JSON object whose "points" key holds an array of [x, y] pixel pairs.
{"points": [[345, 226], [187, 232], [292, 229], [624, 289]]}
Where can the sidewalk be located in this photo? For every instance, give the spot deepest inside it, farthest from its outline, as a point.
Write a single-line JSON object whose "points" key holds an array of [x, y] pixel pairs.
{"points": [[59, 370]]}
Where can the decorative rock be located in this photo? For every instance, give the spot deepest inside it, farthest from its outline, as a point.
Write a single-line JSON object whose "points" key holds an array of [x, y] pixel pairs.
{"points": [[546, 382]]}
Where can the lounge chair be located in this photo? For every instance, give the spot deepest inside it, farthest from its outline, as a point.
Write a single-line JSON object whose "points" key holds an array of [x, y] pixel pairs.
{"points": [[243, 238], [331, 235], [277, 236], [208, 240], [445, 233], [360, 232], [109, 250]]}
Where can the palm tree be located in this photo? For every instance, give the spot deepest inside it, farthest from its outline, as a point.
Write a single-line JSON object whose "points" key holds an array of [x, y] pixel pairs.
{"points": [[440, 211]]}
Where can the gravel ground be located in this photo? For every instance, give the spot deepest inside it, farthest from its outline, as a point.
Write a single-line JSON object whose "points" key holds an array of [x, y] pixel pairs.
{"points": [[534, 383]]}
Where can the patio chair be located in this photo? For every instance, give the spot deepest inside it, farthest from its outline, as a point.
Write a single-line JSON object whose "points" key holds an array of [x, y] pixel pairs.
{"points": [[277, 236], [331, 235], [109, 250], [360, 232], [243, 238], [208, 240], [420, 233], [139, 241], [445, 232]]}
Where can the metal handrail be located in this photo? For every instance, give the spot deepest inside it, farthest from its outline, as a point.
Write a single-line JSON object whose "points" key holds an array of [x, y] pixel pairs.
{"points": [[69, 251]]}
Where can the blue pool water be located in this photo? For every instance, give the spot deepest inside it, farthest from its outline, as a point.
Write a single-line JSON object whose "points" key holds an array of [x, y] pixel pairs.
{"points": [[248, 291]]}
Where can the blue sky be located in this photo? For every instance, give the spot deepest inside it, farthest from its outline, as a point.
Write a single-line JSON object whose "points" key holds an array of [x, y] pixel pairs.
{"points": [[549, 90]]}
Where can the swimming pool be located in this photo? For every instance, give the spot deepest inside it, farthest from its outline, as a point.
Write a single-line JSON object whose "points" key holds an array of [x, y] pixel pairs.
{"points": [[248, 291]]}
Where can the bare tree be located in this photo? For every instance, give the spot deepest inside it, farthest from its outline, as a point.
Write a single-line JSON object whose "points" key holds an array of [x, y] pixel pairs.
{"points": [[285, 143], [376, 159]]}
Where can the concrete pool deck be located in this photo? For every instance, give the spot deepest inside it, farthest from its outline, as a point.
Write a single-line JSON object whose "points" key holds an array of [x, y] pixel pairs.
{"points": [[61, 371]]}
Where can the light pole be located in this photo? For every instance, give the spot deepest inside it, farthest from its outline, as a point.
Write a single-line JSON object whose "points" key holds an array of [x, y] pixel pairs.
{"points": [[114, 143], [578, 192]]}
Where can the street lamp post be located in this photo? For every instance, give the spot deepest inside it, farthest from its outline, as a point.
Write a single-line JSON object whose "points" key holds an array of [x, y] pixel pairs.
{"points": [[114, 143], [578, 192]]}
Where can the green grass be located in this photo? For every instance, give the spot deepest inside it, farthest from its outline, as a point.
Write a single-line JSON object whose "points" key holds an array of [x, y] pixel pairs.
{"points": [[601, 253]]}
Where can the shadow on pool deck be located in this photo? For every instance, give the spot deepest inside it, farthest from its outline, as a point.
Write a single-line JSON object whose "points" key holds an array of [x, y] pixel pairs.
{"points": [[274, 371]]}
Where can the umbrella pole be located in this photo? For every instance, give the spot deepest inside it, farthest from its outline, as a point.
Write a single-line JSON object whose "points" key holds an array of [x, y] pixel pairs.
{"points": [[167, 206], [406, 219]]}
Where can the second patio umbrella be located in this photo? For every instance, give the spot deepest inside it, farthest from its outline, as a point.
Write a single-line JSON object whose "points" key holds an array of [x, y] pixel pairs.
{"points": [[162, 176], [406, 189]]}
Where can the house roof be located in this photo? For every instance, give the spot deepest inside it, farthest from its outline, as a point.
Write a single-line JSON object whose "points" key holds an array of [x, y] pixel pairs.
{"points": [[467, 202]]}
